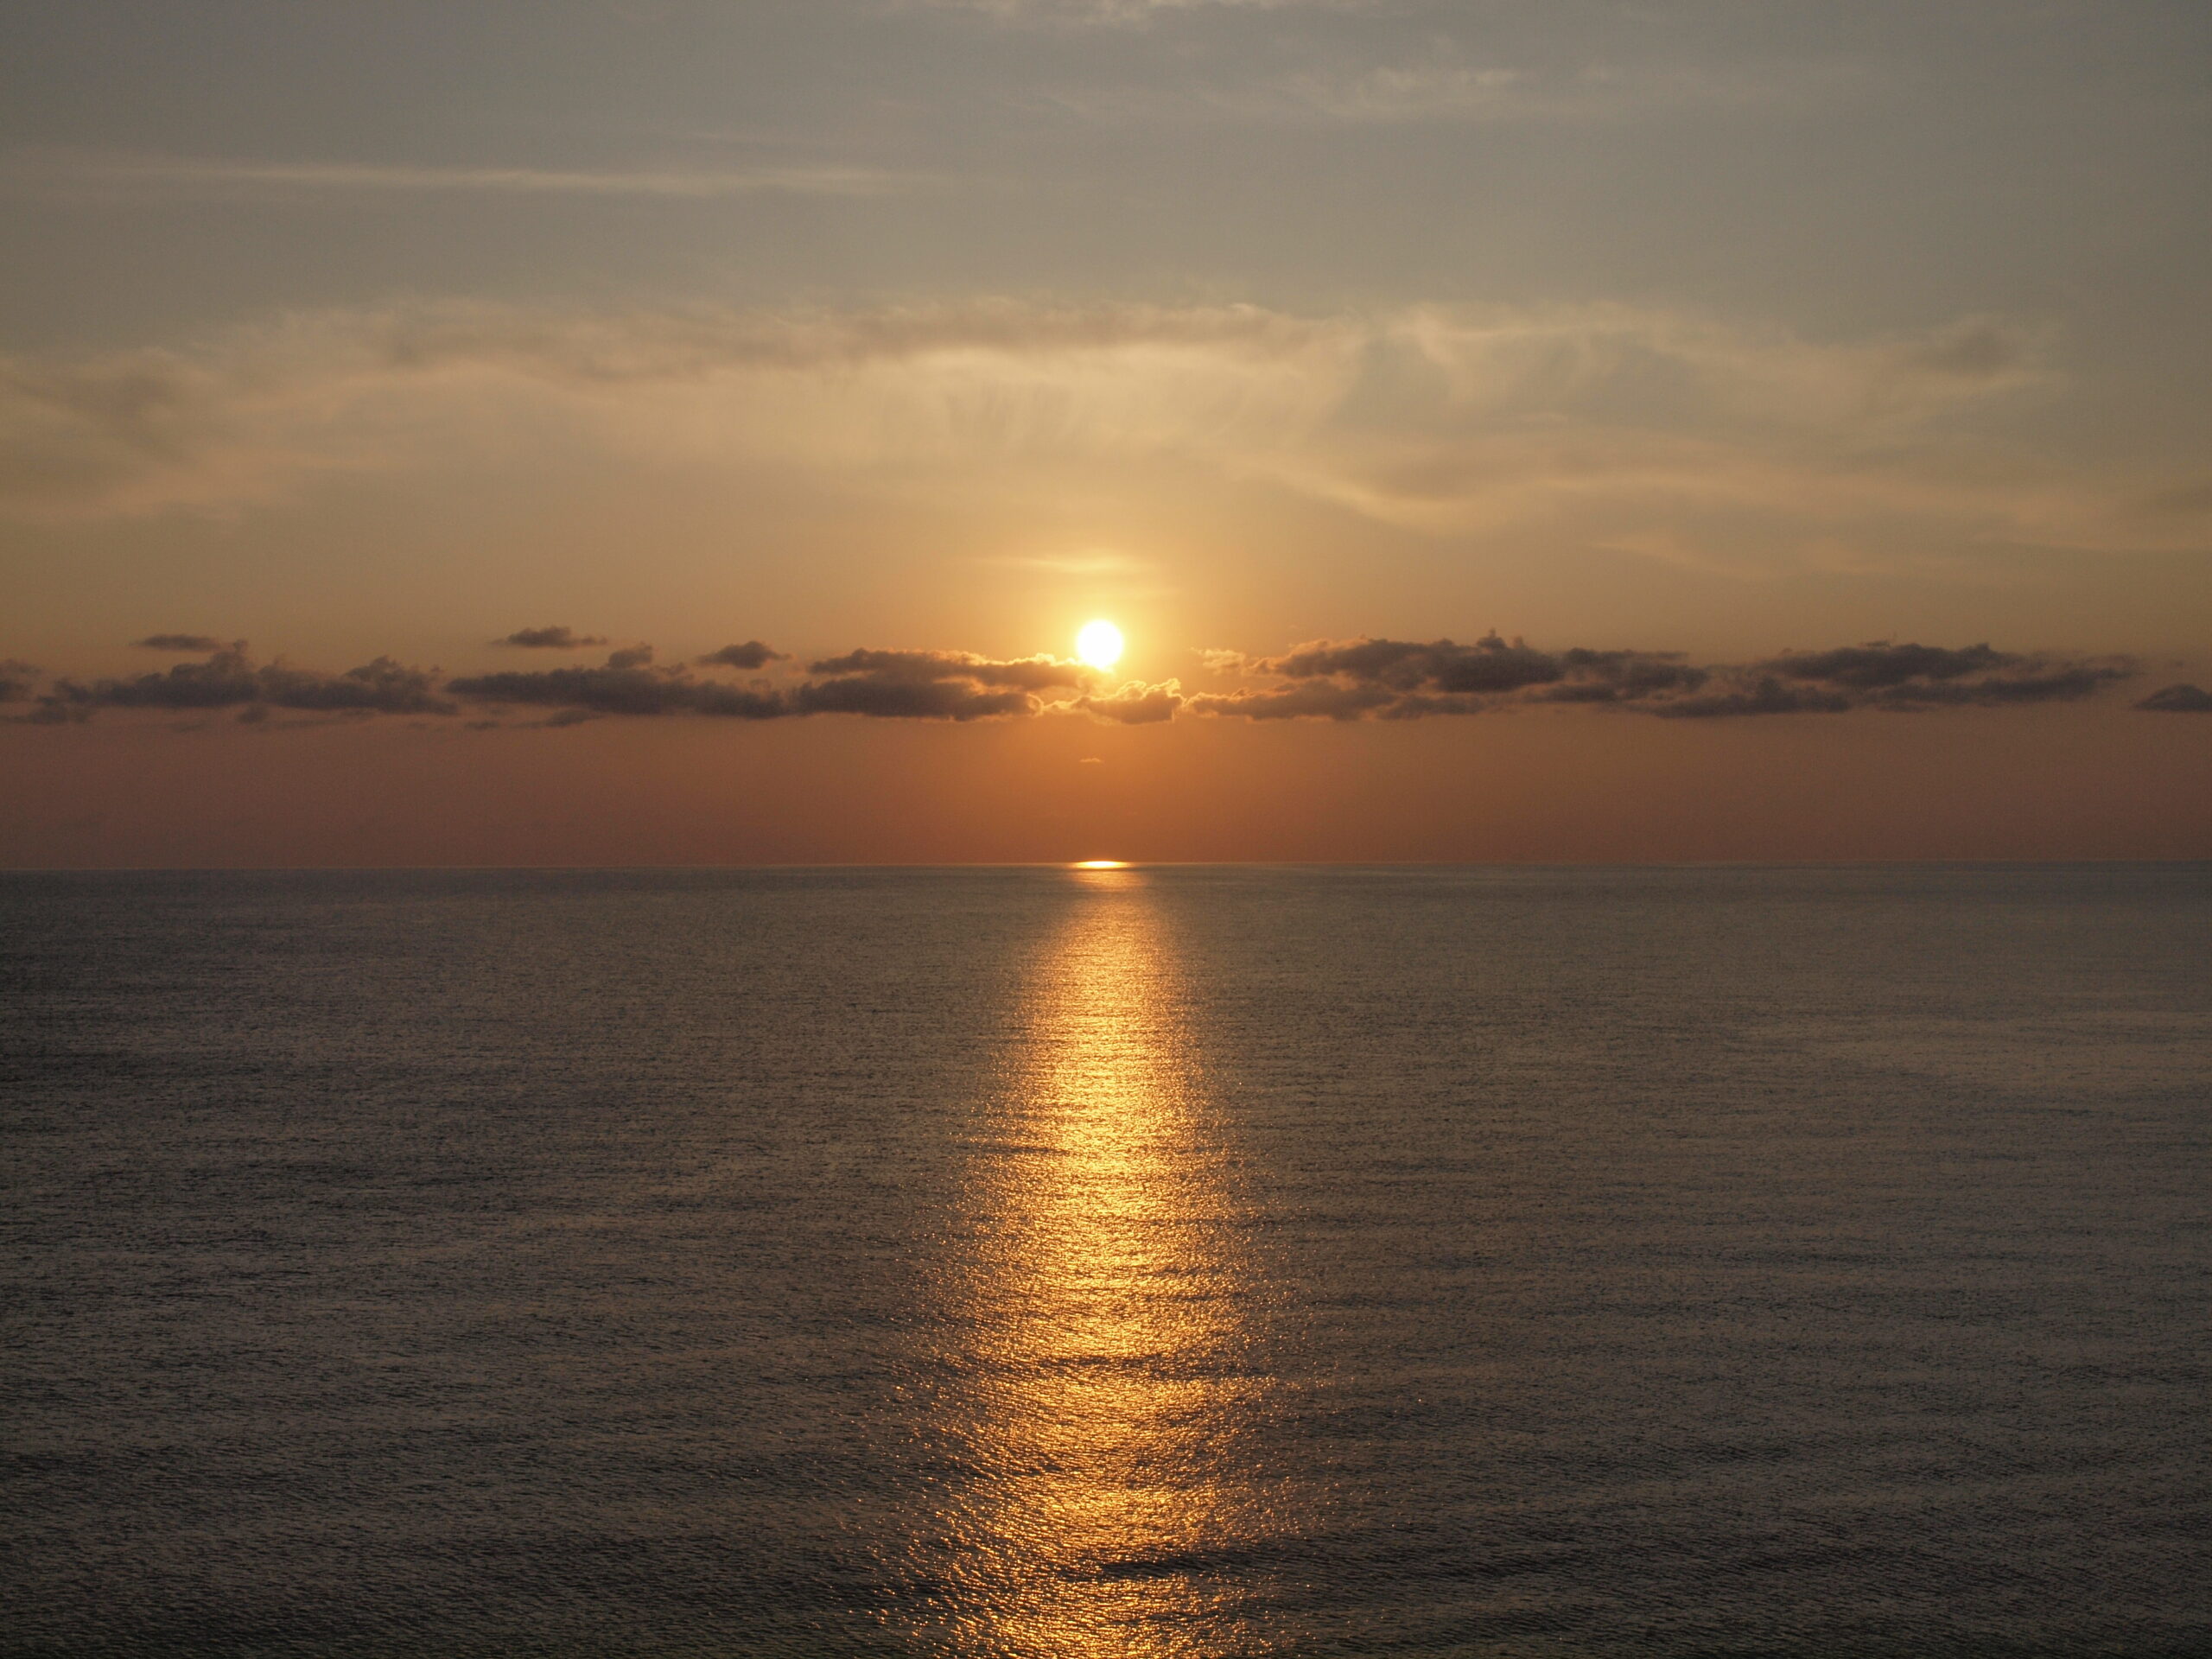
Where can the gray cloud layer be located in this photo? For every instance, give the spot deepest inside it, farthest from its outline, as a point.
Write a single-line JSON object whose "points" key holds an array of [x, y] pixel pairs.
{"points": [[882, 684], [189, 643], [750, 654], [1396, 679], [230, 680], [627, 684], [1354, 679], [551, 638], [2178, 700]]}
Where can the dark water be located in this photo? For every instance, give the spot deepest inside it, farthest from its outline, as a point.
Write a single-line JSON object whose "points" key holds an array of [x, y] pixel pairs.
{"points": [[1186, 1261]]}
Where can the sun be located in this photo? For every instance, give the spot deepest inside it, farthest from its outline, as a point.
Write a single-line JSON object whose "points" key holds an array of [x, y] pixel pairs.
{"points": [[1099, 643]]}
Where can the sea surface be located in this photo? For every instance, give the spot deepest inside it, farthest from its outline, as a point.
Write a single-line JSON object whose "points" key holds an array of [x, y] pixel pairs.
{"points": [[1063, 1262]]}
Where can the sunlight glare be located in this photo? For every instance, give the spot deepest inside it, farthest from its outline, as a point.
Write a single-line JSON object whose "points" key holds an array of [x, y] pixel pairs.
{"points": [[1099, 643], [1112, 1309]]}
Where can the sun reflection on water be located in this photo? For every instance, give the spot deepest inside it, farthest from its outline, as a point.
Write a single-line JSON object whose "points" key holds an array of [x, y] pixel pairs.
{"points": [[1112, 1360]]}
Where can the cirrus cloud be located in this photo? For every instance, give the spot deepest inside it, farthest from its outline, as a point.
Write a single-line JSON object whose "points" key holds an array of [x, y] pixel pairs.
{"points": [[1680, 438], [67, 175]]}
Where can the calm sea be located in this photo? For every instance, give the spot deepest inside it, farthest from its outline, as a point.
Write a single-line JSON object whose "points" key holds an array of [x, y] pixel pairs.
{"points": [[1179, 1262]]}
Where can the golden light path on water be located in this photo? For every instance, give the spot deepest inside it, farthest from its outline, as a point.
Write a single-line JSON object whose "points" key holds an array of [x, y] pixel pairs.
{"points": [[1109, 1307]]}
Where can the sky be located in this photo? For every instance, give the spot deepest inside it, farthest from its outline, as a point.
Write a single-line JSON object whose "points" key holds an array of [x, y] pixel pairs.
{"points": [[658, 431]]}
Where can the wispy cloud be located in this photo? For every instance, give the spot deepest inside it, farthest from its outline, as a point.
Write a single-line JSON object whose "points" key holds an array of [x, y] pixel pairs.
{"points": [[1113, 11], [1681, 438], [1403, 62], [251, 414], [1446, 87], [1067, 564], [55, 173]]}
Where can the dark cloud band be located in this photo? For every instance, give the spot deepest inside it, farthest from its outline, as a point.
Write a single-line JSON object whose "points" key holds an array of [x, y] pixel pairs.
{"points": [[627, 684], [2178, 700], [1338, 680], [750, 654], [179, 642], [230, 680], [1397, 679], [553, 637]]}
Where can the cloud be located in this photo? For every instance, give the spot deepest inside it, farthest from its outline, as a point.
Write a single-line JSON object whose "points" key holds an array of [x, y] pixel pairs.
{"points": [[1882, 666], [1489, 665], [1397, 679], [551, 638], [750, 654], [186, 642], [77, 175], [1313, 700], [230, 679], [1073, 564], [893, 699], [1889, 676], [1134, 703], [1597, 676], [2178, 700], [1362, 678], [257, 414], [883, 685], [933, 684], [1444, 85], [1406, 679], [1039, 673], [1082, 12], [627, 684], [1734, 448], [1449, 92], [1755, 693]]}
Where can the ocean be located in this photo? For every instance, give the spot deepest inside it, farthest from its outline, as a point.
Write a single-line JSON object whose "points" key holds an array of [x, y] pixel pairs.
{"points": [[1197, 1260]]}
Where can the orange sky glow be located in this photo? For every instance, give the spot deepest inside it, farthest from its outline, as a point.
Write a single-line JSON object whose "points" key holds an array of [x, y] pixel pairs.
{"points": [[698, 433]]}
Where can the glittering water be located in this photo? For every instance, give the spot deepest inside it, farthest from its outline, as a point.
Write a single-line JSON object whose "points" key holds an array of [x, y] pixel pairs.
{"points": [[1108, 1262]]}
